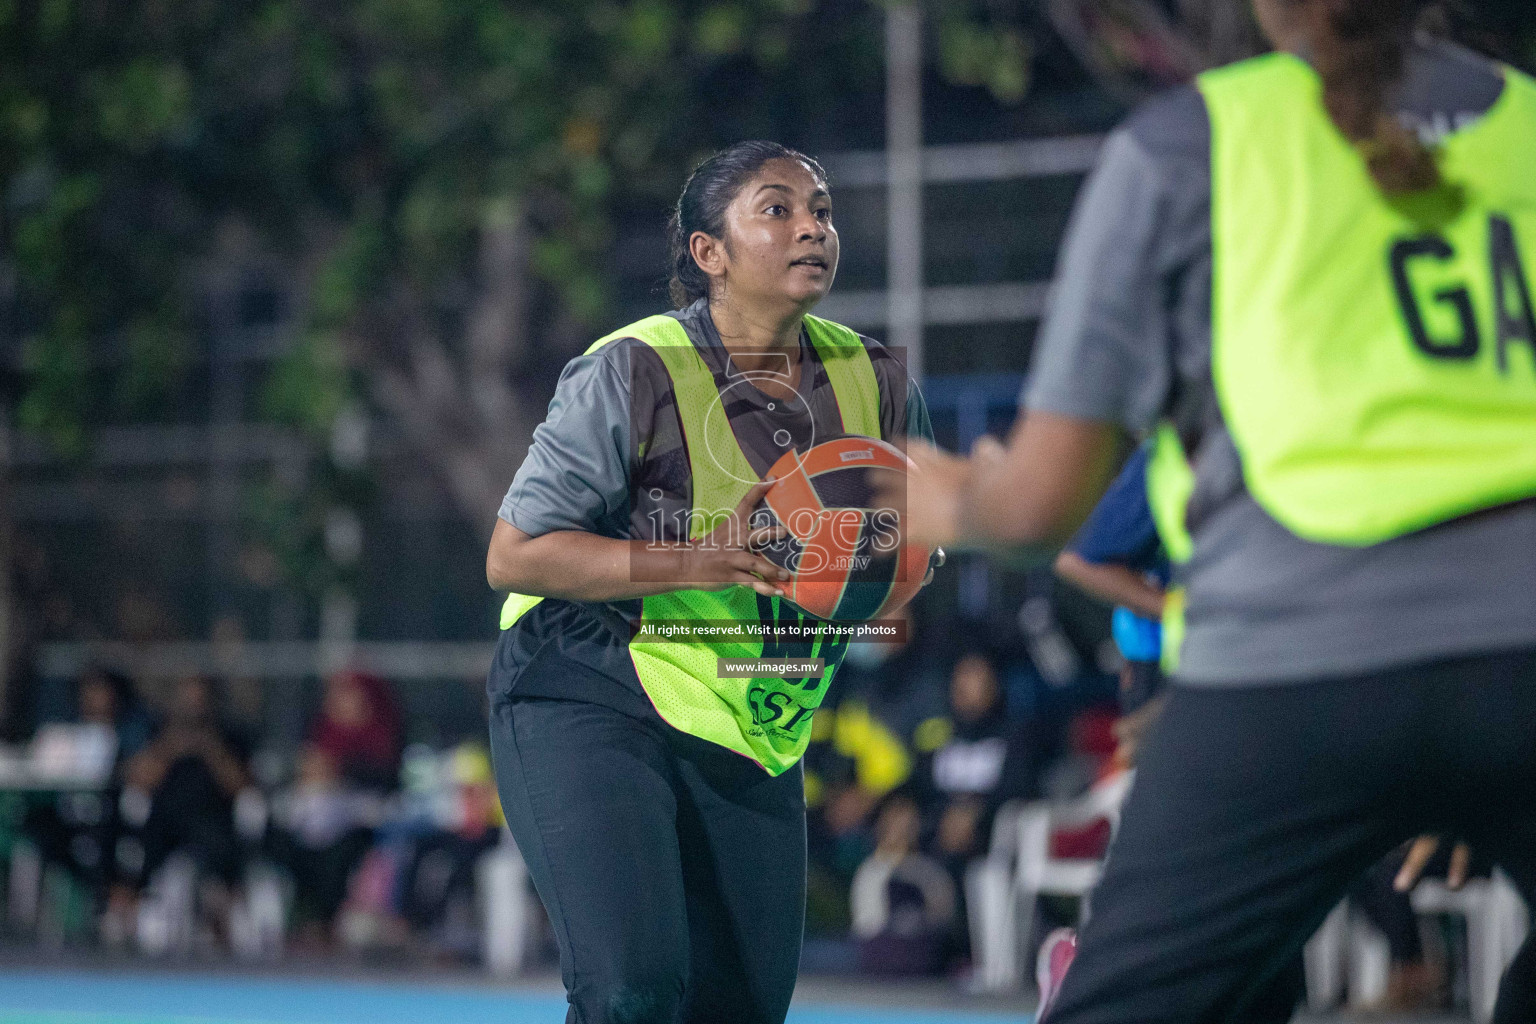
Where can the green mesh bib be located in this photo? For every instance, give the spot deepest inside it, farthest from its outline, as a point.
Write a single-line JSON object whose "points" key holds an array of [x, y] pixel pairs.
{"points": [[765, 719], [1375, 361]]}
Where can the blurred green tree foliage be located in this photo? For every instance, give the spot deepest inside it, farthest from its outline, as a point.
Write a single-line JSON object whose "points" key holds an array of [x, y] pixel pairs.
{"points": [[431, 183], [430, 180]]}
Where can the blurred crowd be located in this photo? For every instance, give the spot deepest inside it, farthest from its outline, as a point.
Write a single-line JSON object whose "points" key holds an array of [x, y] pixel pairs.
{"points": [[128, 825], [916, 749], [163, 826], [147, 826]]}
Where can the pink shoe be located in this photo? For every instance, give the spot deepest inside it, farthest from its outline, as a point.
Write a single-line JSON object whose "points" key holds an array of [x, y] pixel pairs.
{"points": [[1056, 954]]}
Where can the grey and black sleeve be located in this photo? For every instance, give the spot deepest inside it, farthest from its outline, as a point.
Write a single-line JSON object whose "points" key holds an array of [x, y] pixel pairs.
{"points": [[576, 473], [917, 422]]}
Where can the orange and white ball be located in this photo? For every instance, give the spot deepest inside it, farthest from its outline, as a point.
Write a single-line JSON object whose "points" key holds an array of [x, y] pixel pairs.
{"points": [[846, 557]]}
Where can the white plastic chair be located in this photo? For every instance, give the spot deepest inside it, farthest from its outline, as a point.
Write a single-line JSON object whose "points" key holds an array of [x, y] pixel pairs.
{"points": [[1497, 922], [258, 921], [1002, 889], [507, 913], [1347, 958], [167, 908], [1347, 952], [24, 889], [990, 910], [1040, 874]]}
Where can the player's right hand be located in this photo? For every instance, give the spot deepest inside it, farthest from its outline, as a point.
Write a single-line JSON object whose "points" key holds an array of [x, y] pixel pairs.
{"points": [[727, 555]]}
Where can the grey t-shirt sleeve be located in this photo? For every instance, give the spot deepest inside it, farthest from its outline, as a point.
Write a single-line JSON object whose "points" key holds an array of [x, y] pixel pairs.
{"points": [[576, 473], [903, 411], [1099, 354], [1127, 338]]}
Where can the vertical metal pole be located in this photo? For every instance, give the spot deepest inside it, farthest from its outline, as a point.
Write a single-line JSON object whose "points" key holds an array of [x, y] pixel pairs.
{"points": [[226, 397], [343, 543], [904, 173], [8, 618]]}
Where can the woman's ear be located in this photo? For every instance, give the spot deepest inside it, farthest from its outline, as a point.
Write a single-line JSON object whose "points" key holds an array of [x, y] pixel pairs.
{"points": [[709, 253]]}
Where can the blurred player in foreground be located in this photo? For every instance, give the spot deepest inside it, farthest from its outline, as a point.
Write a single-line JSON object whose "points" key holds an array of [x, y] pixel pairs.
{"points": [[1317, 268], [1118, 556]]}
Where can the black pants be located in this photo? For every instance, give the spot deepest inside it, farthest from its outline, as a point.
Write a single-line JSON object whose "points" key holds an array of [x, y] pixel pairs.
{"points": [[673, 870], [1255, 808], [189, 813], [439, 871], [320, 873]]}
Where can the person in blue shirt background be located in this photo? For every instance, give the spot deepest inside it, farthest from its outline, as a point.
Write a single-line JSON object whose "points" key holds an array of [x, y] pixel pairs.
{"points": [[1118, 557]]}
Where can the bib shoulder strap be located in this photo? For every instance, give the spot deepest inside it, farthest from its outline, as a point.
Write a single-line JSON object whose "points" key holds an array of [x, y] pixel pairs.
{"points": [[668, 339], [653, 330], [1170, 483], [1255, 75], [1519, 91], [720, 471], [515, 607], [851, 374]]}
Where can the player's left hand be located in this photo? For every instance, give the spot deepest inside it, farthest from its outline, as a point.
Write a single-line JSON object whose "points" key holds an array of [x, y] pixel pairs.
{"points": [[928, 497]]}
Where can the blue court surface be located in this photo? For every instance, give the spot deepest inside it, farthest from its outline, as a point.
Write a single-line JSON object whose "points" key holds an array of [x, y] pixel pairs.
{"points": [[74, 997]]}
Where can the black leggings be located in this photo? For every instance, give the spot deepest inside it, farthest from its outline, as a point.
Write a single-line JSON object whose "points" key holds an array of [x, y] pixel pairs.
{"points": [[673, 870], [1255, 808]]}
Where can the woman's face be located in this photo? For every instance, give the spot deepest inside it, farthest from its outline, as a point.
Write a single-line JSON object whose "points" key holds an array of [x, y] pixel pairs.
{"points": [[98, 701], [973, 688], [192, 703], [779, 242], [345, 702]]}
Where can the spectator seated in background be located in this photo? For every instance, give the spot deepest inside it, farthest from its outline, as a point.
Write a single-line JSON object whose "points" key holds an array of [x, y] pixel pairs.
{"points": [[981, 759], [856, 757], [417, 881], [358, 728], [107, 698], [977, 759], [323, 824], [437, 890], [77, 830], [903, 900], [178, 798], [900, 684], [321, 827]]}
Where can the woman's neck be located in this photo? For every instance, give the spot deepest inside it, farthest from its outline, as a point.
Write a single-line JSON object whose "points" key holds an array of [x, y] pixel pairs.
{"points": [[755, 339]]}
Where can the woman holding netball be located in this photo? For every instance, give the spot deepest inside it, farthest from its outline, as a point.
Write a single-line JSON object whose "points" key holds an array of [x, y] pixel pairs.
{"points": [[1317, 270], [659, 805]]}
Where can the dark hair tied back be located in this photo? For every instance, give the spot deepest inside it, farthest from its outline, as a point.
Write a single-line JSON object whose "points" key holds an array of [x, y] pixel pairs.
{"points": [[1360, 48], [706, 195]]}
